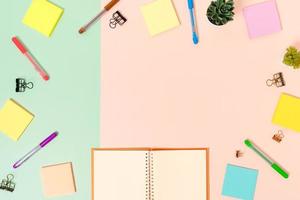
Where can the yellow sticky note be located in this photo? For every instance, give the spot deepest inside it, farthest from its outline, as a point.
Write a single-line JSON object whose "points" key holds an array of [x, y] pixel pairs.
{"points": [[14, 119], [160, 16], [287, 113], [43, 16]]}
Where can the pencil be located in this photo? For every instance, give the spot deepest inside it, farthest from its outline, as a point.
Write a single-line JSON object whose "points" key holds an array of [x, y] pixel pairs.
{"points": [[106, 8]]}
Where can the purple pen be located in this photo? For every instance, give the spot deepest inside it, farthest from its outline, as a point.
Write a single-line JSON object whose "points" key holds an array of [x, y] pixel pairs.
{"points": [[35, 149]]}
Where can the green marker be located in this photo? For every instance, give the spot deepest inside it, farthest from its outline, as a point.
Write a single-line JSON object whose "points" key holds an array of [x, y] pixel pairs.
{"points": [[274, 165]]}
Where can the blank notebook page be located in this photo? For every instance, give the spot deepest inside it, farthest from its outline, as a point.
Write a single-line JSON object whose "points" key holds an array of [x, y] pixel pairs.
{"points": [[119, 175], [179, 175]]}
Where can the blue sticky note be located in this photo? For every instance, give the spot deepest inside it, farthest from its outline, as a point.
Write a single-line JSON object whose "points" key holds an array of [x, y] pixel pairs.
{"points": [[240, 182]]}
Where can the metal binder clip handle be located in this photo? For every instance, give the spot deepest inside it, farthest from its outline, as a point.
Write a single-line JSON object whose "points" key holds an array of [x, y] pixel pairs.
{"points": [[29, 85], [280, 134], [112, 23], [270, 82]]}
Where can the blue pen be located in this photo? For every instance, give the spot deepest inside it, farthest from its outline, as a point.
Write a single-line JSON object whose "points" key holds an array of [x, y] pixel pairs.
{"points": [[192, 14]]}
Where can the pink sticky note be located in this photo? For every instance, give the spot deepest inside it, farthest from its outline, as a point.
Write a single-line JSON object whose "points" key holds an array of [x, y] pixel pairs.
{"points": [[262, 19]]}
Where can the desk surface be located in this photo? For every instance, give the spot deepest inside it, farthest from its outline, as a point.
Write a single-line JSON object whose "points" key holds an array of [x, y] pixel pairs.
{"points": [[68, 102], [164, 91]]}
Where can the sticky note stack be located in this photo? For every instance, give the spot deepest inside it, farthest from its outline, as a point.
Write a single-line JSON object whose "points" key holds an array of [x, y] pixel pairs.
{"points": [[58, 180], [160, 16], [287, 112], [14, 119], [43, 16]]}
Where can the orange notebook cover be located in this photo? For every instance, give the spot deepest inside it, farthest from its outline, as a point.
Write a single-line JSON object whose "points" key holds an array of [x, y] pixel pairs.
{"points": [[150, 173]]}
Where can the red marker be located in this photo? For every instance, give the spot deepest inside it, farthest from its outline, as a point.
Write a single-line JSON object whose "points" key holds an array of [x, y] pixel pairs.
{"points": [[36, 65]]}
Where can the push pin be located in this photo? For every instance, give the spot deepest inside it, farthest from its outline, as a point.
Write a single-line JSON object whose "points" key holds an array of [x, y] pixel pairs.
{"points": [[278, 136], [117, 18], [7, 183], [238, 153], [277, 80], [21, 85]]}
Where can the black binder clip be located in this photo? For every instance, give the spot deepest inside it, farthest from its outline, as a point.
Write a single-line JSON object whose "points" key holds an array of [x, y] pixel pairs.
{"points": [[117, 18], [277, 80], [21, 85], [7, 183]]}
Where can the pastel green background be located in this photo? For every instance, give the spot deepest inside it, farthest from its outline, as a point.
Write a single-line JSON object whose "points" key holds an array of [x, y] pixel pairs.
{"points": [[68, 102]]}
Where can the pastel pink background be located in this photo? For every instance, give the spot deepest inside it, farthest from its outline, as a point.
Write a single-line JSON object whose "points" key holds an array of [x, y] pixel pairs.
{"points": [[164, 91]]}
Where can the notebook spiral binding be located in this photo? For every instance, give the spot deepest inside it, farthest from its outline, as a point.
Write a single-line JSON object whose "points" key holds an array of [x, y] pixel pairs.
{"points": [[152, 176], [149, 176]]}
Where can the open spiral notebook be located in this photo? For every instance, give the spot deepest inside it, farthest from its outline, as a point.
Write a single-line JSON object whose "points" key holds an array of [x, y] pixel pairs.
{"points": [[150, 173]]}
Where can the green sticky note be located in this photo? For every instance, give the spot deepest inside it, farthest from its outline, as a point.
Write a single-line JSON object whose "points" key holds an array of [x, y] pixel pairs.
{"points": [[240, 182]]}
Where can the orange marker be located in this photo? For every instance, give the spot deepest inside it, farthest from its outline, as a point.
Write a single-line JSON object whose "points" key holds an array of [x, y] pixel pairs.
{"points": [[106, 8]]}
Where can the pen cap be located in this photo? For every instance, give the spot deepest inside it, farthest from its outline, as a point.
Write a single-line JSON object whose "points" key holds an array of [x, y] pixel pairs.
{"points": [[248, 143], [18, 43], [277, 168], [110, 4], [191, 4], [48, 139]]}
